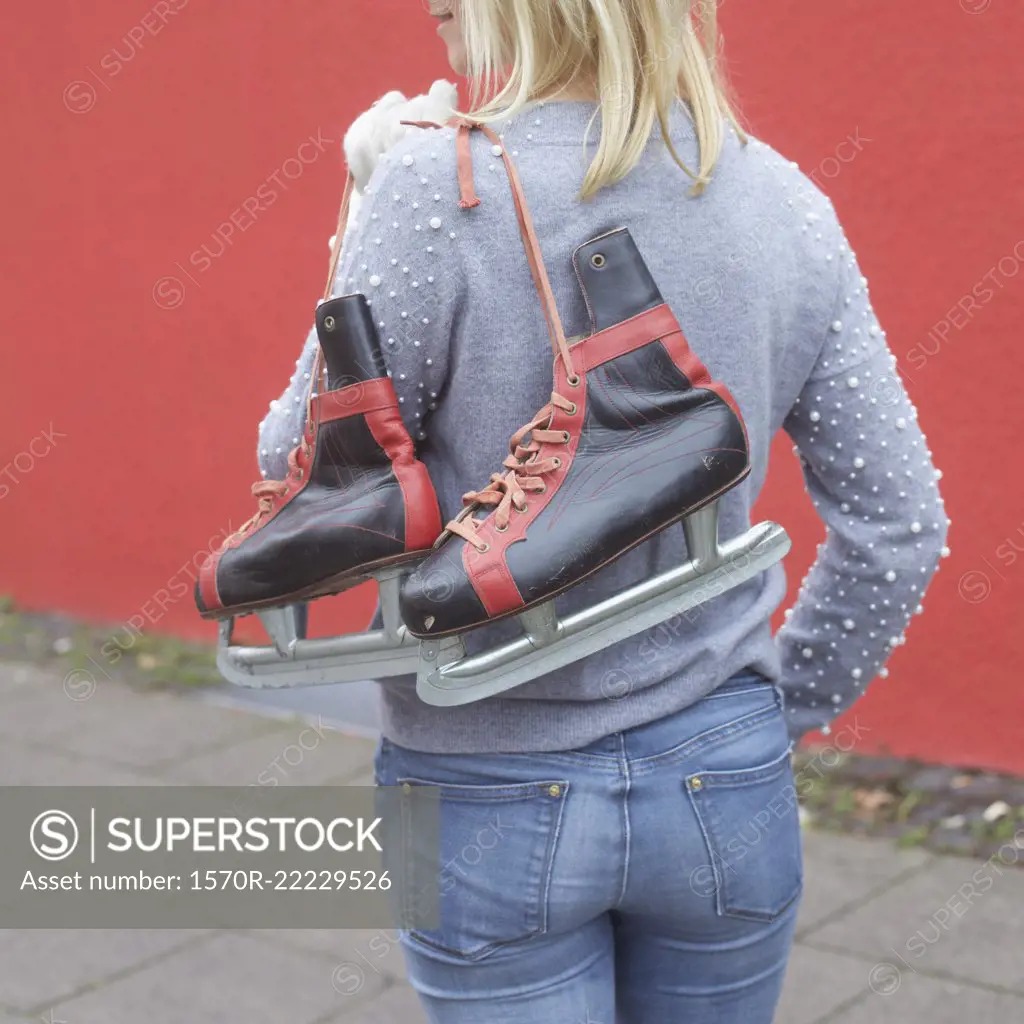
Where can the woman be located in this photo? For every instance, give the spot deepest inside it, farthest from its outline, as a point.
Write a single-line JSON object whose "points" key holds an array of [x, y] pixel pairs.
{"points": [[620, 839]]}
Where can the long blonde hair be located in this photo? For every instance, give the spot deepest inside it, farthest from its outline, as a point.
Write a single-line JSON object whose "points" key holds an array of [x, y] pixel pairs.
{"points": [[641, 56]]}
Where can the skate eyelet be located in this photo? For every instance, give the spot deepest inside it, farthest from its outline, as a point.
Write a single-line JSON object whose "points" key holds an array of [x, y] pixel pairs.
{"points": [[598, 261], [573, 381], [566, 437], [502, 529], [557, 461], [525, 508], [484, 549], [329, 323], [572, 410]]}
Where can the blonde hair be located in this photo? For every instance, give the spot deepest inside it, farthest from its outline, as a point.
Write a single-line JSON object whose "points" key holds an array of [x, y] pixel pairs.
{"points": [[640, 56]]}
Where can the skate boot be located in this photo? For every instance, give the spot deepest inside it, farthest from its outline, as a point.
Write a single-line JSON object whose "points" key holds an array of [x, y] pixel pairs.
{"points": [[356, 501], [636, 438]]}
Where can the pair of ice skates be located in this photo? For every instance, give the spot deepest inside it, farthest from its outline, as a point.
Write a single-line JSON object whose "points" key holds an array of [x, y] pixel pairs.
{"points": [[631, 399]]}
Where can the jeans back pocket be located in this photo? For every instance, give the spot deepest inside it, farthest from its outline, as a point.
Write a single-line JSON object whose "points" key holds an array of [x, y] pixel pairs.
{"points": [[751, 827], [497, 846]]}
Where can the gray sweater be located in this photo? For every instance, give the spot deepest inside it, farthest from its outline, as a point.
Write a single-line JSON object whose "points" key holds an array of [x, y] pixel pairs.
{"points": [[770, 296]]}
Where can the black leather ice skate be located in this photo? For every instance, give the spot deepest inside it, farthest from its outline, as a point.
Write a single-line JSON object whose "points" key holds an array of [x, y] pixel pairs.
{"points": [[356, 500], [637, 437]]}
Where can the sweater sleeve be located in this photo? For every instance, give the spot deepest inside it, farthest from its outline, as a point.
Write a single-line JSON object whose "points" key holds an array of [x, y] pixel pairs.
{"points": [[400, 252], [869, 472]]}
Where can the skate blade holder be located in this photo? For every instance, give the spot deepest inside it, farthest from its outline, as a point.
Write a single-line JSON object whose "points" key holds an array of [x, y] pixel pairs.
{"points": [[294, 660], [447, 677]]}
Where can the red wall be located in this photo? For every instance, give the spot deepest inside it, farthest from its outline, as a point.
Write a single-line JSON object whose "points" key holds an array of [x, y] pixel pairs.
{"points": [[133, 134]]}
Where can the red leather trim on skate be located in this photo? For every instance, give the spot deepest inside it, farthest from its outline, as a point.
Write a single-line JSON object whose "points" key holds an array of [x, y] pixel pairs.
{"points": [[208, 581], [355, 400], [657, 324], [237, 539], [491, 578], [686, 360], [422, 512], [695, 371], [631, 334], [489, 572]]}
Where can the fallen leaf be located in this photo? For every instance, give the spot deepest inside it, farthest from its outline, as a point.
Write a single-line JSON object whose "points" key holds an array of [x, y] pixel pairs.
{"points": [[996, 811], [872, 799]]}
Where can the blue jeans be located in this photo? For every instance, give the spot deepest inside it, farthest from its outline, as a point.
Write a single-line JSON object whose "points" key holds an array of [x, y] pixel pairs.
{"points": [[651, 877]]}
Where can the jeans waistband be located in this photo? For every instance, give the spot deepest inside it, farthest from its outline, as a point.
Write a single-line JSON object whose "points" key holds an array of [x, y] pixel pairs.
{"points": [[745, 677], [719, 706]]}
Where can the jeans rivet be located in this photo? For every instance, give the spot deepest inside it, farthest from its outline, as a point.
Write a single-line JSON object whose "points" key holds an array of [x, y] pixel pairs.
{"points": [[555, 790], [696, 783]]}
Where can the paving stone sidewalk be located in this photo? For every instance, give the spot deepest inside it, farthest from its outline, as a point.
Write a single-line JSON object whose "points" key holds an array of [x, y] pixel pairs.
{"points": [[885, 935]]}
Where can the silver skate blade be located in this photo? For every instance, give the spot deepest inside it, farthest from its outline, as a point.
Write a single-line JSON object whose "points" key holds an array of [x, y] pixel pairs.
{"points": [[293, 660], [447, 678], [540, 624], [285, 627], [701, 530]]}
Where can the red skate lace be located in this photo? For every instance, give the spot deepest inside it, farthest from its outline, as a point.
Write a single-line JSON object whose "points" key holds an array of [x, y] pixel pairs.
{"points": [[507, 491], [267, 492]]}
